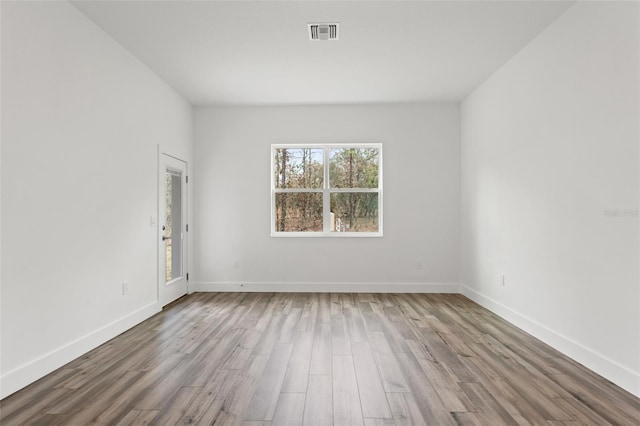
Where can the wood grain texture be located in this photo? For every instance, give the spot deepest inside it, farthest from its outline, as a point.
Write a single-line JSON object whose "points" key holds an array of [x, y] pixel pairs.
{"points": [[318, 407], [346, 400], [322, 359]]}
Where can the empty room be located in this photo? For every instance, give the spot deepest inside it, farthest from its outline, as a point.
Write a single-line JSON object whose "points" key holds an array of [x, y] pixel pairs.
{"points": [[320, 212]]}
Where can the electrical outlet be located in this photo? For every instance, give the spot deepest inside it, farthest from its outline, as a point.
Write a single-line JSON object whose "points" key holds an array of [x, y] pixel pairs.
{"points": [[125, 288], [236, 264], [419, 265]]}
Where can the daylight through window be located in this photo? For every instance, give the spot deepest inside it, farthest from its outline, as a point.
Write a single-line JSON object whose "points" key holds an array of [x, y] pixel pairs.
{"points": [[326, 190]]}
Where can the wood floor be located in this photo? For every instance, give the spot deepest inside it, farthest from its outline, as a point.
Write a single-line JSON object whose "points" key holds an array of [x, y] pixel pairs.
{"points": [[322, 359]]}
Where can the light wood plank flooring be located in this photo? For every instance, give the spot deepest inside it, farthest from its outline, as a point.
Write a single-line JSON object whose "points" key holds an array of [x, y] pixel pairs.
{"points": [[322, 359]]}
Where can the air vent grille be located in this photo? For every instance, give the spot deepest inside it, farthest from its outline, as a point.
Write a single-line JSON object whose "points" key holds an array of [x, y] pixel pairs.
{"points": [[323, 31]]}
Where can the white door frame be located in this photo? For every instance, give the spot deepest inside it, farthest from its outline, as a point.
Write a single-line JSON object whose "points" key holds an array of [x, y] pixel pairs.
{"points": [[178, 287]]}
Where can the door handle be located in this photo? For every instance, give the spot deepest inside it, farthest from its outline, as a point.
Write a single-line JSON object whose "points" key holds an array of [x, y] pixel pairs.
{"points": [[164, 237]]}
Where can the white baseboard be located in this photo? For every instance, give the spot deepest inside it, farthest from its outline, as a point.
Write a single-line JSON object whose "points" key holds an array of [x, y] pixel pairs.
{"points": [[607, 368], [33, 370], [324, 287]]}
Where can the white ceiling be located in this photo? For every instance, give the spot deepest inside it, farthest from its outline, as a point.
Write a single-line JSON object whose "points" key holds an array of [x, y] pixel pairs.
{"points": [[241, 52]]}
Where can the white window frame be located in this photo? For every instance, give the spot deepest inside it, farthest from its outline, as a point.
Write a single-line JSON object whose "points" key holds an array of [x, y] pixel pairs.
{"points": [[326, 191]]}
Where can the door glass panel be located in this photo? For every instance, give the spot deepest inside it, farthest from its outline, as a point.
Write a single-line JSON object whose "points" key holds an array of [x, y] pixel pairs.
{"points": [[173, 226]]}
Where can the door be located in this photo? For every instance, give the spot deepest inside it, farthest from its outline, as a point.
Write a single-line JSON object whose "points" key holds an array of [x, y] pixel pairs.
{"points": [[173, 227]]}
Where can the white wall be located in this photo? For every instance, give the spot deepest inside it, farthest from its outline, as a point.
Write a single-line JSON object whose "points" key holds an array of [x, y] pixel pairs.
{"points": [[81, 121], [549, 144], [421, 200]]}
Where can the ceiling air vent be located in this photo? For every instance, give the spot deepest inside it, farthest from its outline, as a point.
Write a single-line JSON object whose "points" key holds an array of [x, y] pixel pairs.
{"points": [[323, 31]]}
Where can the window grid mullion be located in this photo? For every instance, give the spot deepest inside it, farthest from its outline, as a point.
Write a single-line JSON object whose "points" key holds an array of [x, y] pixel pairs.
{"points": [[296, 190], [347, 190]]}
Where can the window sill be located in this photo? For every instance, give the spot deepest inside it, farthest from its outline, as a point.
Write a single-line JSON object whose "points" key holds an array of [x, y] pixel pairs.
{"points": [[326, 235]]}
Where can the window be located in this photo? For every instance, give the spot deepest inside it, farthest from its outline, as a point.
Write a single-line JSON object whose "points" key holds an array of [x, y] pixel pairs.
{"points": [[326, 190]]}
